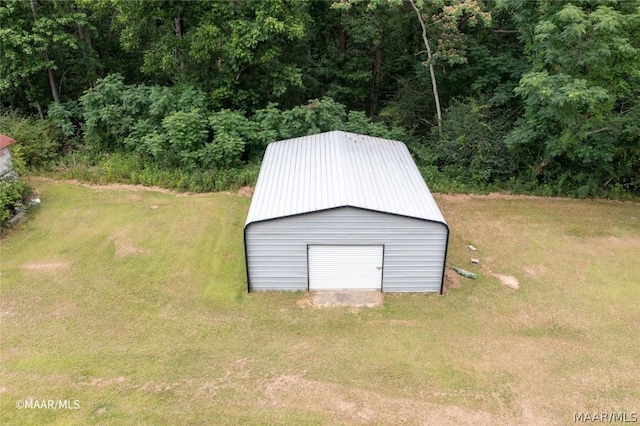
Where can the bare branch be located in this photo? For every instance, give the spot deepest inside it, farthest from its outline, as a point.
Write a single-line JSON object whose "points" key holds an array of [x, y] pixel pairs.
{"points": [[241, 70], [464, 20], [424, 120], [593, 132], [505, 31], [434, 83]]}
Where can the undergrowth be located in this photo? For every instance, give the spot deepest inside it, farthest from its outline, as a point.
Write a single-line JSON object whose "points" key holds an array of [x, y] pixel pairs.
{"points": [[130, 169]]}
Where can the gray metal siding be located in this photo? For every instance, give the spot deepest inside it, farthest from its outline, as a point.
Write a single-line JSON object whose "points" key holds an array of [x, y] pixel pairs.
{"points": [[6, 165], [414, 252]]}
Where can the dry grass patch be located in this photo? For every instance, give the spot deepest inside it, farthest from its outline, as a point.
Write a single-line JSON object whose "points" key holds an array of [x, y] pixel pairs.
{"points": [[47, 267], [142, 315], [245, 191], [576, 265], [348, 405], [124, 246]]}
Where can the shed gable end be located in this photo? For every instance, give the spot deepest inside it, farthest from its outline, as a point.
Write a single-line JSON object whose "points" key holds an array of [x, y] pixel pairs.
{"points": [[414, 250]]}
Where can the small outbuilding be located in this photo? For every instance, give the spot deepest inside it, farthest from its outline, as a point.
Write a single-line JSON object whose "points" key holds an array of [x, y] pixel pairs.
{"points": [[343, 211], [6, 163]]}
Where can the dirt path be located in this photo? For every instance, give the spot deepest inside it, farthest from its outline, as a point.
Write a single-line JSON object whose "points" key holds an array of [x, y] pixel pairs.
{"points": [[504, 196], [245, 191]]}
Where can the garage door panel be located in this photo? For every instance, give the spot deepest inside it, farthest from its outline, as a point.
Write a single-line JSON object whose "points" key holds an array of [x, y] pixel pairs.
{"points": [[338, 267]]}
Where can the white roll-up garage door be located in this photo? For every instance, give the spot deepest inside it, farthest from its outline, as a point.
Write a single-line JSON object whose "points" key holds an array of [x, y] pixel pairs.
{"points": [[345, 267]]}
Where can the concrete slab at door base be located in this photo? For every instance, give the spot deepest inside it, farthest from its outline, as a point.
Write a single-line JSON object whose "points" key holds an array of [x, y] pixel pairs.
{"points": [[354, 299]]}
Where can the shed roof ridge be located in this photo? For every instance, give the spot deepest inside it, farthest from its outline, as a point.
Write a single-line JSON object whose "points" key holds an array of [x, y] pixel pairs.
{"points": [[340, 168]]}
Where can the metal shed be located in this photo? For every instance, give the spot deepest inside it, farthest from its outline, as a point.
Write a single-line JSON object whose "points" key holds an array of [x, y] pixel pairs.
{"points": [[6, 162], [343, 211]]}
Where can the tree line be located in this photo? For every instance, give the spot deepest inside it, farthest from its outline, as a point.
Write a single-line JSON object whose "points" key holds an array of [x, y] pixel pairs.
{"points": [[534, 96]]}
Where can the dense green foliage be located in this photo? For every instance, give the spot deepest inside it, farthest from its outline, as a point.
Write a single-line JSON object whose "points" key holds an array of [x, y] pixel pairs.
{"points": [[471, 145], [170, 136], [12, 195], [541, 96], [581, 121], [40, 141], [174, 127]]}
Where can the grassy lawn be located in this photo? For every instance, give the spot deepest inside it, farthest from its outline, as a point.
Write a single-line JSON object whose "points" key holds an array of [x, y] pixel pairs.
{"points": [[133, 303]]}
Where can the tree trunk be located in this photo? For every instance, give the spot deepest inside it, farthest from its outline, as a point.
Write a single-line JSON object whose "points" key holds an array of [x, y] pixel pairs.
{"points": [[342, 43], [40, 112], [85, 36], [177, 27], [434, 83], [377, 76], [45, 56], [52, 80]]}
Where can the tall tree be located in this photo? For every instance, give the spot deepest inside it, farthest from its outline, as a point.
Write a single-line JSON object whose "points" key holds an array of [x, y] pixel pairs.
{"points": [[495, 62], [346, 50], [429, 63], [45, 54], [238, 51], [582, 94], [39, 45], [447, 18]]}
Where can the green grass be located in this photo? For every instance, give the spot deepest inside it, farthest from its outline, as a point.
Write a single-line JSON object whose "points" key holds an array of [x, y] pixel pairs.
{"points": [[134, 303]]}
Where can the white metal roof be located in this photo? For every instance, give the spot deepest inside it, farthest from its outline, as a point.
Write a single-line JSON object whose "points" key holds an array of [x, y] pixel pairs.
{"points": [[336, 169]]}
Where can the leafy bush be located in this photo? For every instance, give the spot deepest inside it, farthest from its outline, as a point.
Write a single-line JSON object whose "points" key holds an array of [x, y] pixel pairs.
{"points": [[173, 127], [111, 110], [322, 115], [185, 132], [132, 169], [169, 137], [319, 115], [37, 141], [12, 194], [231, 130], [63, 116], [471, 145]]}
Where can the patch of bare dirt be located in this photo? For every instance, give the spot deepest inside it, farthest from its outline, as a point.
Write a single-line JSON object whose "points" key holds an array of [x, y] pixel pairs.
{"points": [[7, 310], [123, 186], [357, 406], [212, 387], [535, 271], [47, 267], [305, 302], [599, 246], [401, 323], [245, 191], [493, 196], [508, 281], [505, 280], [350, 299], [98, 382], [533, 374], [125, 247], [451, 280]]}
